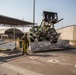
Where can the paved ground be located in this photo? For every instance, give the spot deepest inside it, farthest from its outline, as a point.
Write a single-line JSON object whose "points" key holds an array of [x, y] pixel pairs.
{"points": [[60, 62]]}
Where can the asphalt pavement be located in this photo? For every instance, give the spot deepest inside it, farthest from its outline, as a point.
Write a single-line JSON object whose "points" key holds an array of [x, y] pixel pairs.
{"points": [[58, 62]]}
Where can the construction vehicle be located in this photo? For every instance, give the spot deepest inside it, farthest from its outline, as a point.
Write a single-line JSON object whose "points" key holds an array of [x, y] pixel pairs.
{"points": [[45, 37]]}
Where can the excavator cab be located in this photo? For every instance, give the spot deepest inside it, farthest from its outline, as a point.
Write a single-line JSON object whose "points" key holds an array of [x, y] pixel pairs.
{"points": [[50, 16]]}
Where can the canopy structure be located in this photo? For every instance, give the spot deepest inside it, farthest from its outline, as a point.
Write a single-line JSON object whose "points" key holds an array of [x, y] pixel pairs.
{"points": [[8, 21], [13, 22]]}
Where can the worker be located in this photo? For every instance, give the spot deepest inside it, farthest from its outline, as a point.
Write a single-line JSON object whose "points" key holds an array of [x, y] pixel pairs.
{"points": [[18, 43], [25, 44]]}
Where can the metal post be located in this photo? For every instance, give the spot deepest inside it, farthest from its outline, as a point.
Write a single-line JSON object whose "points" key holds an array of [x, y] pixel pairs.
{"points": [[14, 32], [33, 12], [23, 26], [15, 36], [23, 29]]}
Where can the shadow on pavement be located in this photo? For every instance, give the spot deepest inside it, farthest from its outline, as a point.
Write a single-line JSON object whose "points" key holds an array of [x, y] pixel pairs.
{"points": [[73, 50], [11, 55], [43, 55]]}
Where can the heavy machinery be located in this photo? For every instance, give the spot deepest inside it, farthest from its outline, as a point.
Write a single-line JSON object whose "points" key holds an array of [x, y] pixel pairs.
{"points": [[45, 37]]}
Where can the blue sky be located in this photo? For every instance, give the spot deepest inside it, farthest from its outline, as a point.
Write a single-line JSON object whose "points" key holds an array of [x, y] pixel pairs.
{"points": [[24, 9]]}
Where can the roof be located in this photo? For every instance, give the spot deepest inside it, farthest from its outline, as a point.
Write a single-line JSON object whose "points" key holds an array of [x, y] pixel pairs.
{"points": [[12, 30], [66, 27], [3, 31], [8, 21]]}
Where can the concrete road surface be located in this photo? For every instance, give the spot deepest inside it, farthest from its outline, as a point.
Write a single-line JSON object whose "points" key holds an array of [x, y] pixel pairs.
{"points": [[8, 69], [42, 63]]}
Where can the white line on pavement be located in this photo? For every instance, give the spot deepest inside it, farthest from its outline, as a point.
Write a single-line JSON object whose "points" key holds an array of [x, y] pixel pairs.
{"points": [[75, 65], [33, 57], [2, 54], [53, 61]]}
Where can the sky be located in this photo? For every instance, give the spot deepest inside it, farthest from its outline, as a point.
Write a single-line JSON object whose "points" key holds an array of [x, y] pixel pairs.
{"points": [[23, 9]]}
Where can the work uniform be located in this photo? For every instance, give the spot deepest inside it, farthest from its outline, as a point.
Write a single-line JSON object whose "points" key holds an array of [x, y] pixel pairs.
{"points": [[18, 43], [25, 44]]}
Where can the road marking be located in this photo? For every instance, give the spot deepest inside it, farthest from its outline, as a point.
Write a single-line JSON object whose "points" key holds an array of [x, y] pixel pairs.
{"points": [[1, 62], [2, 49], [2, 54], [19, 70], [75, 65], [53, 61], [33, 57]]}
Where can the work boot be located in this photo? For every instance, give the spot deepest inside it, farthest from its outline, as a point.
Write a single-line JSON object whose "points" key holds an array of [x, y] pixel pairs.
{"points": [[26, 53], [22, 53]]}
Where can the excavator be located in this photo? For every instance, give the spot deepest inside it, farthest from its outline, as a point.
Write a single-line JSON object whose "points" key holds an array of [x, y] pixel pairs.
{"points": [[45, 37]]}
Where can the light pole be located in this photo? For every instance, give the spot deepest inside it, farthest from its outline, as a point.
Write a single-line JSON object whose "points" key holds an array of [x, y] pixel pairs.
{"points": [[23, 26], [33, 12], [14, 33]]}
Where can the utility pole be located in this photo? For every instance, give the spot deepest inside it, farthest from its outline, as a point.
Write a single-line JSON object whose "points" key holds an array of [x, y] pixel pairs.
{"points": [[33, 12], [15, 36], [23, 26], [14, 33]]}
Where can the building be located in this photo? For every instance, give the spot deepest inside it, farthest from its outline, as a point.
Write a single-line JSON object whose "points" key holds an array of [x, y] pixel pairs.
{"points": [[12, 22], [9, 33], [68, 33]]}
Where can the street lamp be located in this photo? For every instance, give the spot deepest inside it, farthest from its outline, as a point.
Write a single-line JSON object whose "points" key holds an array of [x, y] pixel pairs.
{"points": [[33, 12]]}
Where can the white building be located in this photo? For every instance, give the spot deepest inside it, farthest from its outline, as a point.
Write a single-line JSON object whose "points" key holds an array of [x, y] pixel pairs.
{"points": [[68, 33]]}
